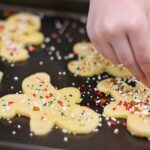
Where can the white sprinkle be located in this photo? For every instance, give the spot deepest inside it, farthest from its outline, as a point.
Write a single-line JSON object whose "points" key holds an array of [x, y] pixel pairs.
{"points": [[9, 121], [73, 83], [16, 78], [64, 131], [47, 39], [64, 73], [51, 58], [56, 127], [52, 48], [109, 123], [12, 65], [31, 134], [95, 130], [43, 46], [12, 87], [41, 63], [13, 132], [65, 139], [18, 126], [83, 19], [59, 73], [116, 131]]}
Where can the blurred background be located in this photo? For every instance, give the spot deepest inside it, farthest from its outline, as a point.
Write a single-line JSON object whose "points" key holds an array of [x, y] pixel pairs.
{"points": [[61, 5]]}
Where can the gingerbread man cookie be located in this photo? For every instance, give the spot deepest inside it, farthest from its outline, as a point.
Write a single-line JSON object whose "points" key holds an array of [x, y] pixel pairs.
{"points": [[131, 103], [19, 31], [47, 106], [92, 63], [26, 21]]}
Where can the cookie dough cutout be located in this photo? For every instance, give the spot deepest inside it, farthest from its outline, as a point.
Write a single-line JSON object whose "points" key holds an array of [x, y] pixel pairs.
{"points": [[25, 37], [33, 38], [20, 30], [13, 52], [46, 107], [92, 63], [131, 103], [27, 21], [139, 126], [86, 68]]}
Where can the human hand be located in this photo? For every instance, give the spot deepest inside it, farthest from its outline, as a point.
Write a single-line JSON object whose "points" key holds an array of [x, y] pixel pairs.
{"points": [[120, 30]]}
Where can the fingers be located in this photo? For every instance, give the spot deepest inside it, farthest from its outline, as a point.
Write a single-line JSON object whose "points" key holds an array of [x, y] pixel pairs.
{"points": [[140, 41], [122, 40], [106, 50], [124, 53], [96, 36]]}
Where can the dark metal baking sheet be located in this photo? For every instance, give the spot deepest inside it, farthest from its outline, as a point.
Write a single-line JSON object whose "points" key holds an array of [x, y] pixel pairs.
{"points": [[59, 5], [40, 61]]}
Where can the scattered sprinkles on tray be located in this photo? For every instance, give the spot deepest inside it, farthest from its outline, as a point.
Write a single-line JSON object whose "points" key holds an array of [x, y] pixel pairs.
{"points": [[56, 52]]}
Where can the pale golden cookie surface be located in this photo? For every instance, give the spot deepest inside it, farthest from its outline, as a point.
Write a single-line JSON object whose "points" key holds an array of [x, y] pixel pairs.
{"points": [[92, 63], [46, 107], [16, 33], [131, 103]]}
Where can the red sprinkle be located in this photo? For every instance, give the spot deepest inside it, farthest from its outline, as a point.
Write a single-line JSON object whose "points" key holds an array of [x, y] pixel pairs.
{"points": [[113, 123], [124, 123], [47, 96], [102, 102], [34, 95], [31, 49], [60, 103], [90, 89], [148, 115], [10, 103], [83, 85], [114, 108], [120, 103], [100, 94]]}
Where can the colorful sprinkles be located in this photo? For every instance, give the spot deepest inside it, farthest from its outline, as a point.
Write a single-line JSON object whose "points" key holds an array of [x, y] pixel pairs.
{"points": [[90, 96]]}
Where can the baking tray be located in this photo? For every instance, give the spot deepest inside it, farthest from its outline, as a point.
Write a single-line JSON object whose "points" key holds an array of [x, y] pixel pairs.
{"points": [[52, 57]]}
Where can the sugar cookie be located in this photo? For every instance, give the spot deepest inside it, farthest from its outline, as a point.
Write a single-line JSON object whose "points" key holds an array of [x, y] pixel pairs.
{"points": [[13, 52], [92, 63], [46, 107], [27, 21], [131, 103], [17, 32]]}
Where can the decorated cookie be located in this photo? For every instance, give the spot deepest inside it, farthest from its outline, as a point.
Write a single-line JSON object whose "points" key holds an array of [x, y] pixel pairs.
{"points": [[16, 33], [26, 21], [47, 106], [25, 36], [13, 52], [92, 63], [131, 103]]}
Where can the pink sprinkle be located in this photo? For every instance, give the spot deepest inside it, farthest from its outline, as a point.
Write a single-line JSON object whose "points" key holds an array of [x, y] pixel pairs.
{"points": [[116, 131]]}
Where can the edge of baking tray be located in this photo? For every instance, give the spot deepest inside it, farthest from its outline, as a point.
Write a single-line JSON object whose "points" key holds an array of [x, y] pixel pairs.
{"points": [[60, 5], [14, 146], [42, 10]]}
